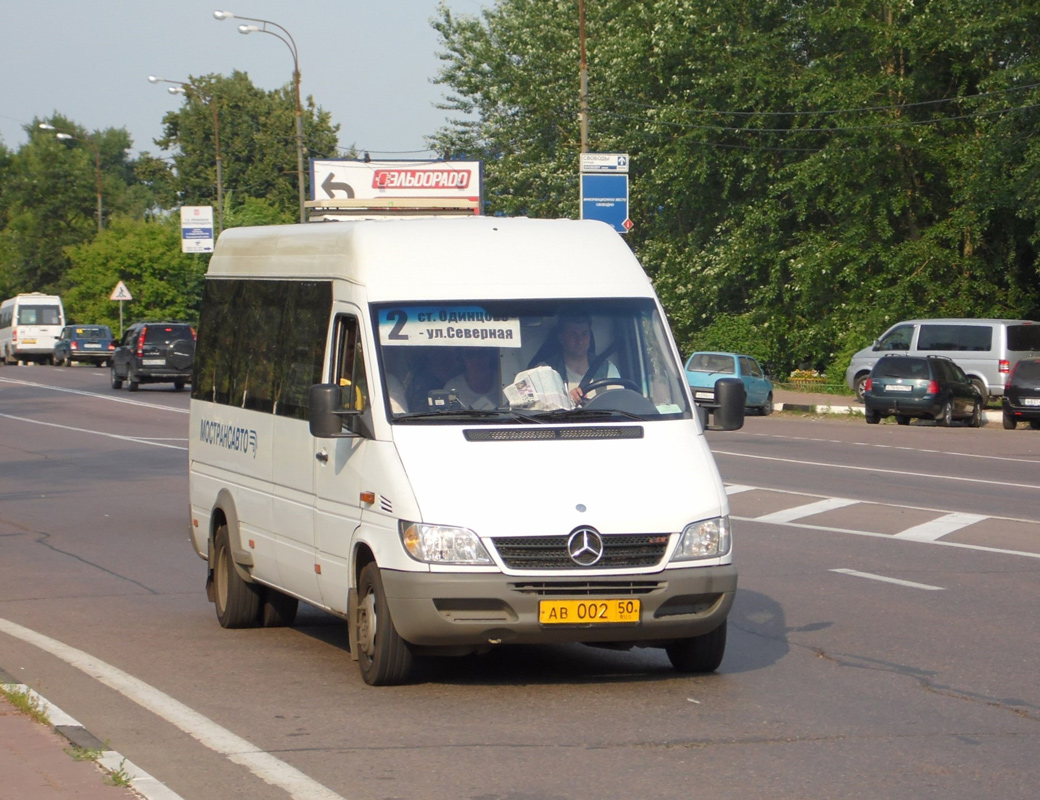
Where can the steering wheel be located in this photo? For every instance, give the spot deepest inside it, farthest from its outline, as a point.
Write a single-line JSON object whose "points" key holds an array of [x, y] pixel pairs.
{"points": [[599, 383], [589, 377]]}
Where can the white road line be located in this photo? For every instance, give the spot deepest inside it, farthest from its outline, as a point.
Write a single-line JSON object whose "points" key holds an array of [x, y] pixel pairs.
{"points": [[808, 510], [208, 733], [802, 462], [153, 442], [107, 397], [937, 528], [737, 489], [883, 579]]}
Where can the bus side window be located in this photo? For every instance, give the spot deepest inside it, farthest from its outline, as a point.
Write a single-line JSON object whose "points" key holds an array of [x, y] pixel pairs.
{"points": [[350, 366]]}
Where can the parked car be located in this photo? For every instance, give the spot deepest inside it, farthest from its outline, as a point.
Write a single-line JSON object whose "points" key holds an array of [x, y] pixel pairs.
{"points": [[986, 349], [1021, 401], [91, 343], [703, 369], [925, 387], [154, 352]]}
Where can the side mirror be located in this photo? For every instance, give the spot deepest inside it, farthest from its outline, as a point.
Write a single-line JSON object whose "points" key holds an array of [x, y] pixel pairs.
{"points": [[327, 414], [731, 398]]}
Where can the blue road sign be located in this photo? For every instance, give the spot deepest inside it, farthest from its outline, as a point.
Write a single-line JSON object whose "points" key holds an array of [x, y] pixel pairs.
{"points": [[605, 197]]}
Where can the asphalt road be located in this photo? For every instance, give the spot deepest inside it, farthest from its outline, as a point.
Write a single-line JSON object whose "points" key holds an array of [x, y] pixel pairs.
{"points": [[883, 643]]}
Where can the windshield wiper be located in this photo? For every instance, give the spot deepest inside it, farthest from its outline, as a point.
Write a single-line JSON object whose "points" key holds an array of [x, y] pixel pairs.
{"points": [[588, 414], [461, 414]]}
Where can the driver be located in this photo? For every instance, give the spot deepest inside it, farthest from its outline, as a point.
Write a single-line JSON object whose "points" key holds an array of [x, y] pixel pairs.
{"points": [[574, 334]]}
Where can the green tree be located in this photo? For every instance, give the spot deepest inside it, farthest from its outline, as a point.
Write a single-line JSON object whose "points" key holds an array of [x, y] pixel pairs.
{"points": [[257, 132], [166, 284]]}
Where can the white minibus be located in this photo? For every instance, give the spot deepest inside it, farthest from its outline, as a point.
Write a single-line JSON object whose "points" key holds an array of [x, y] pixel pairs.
{"points": [[30, 325], [456, 435]]}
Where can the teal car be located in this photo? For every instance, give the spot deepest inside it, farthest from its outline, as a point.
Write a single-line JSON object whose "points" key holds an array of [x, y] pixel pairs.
{"points": [[703, 369]]}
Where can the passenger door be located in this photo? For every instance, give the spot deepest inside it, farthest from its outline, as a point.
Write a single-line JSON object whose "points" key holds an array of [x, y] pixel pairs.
{"points": [[339, 464]]}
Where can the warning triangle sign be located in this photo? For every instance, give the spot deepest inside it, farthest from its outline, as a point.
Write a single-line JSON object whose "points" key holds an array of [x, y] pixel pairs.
{"points": [[121, 292]]}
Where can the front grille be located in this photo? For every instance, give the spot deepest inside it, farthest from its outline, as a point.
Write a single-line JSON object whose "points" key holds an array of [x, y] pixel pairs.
{"points": [[587, 588], [624, 550]]}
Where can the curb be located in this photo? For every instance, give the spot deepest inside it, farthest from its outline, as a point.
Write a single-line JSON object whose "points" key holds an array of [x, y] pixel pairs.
{"points": [[812, 408], [138, 780]]}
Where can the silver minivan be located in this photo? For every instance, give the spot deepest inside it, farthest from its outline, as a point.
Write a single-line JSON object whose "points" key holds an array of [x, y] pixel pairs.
{"points": [[986, 349]]}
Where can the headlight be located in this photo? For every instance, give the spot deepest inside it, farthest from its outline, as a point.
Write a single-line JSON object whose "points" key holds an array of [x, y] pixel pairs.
{"points": [[442, 544], [708, 538]]}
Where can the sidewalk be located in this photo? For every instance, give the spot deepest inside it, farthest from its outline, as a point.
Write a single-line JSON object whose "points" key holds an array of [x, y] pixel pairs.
{"points": [[37, 763]]}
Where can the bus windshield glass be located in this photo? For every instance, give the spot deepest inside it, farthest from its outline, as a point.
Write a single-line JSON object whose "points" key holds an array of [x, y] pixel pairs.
{"points": [[530, 361]]}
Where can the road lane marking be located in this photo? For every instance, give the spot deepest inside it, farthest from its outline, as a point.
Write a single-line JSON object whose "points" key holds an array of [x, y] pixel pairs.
{"points": [[269, 769], [878, 470], [108, 397], [937, 528], [737, 489], [883, 579], [138, 440], [808, 510]]}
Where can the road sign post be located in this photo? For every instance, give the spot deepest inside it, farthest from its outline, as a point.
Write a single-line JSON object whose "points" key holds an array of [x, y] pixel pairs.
{"points": [[604, 189], [121, 293]]}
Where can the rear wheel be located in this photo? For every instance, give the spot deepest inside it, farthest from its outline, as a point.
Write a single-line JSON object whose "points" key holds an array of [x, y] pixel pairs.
{"points": [[976, 416], [980, 384], [1034, 424], [945, 417], [132, 381], [178, 385], [238, 602], [873, 417], [902, 419], [384, 657], [699, 653], [277, 610], [117, 382], [1010, 423]]}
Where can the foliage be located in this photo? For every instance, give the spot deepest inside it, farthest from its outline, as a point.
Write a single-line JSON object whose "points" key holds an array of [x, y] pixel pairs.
{"points": [[165, 283], [257, 134], [803, 173]]}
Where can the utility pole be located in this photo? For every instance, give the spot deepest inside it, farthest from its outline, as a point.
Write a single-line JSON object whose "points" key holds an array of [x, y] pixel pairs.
{"points": [[583, 98]]}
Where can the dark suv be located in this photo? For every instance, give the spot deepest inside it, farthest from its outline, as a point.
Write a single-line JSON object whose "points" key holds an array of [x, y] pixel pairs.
{"points": [[1022, 394], [926, 387], [154, 352]]}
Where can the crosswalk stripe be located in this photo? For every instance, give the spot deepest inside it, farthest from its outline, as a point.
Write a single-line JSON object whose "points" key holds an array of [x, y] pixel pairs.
{"points": [[937, 528], [808, 510]]}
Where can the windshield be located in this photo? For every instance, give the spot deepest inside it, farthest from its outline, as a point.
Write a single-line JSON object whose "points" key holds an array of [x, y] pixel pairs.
{"points": [[528, 361]]}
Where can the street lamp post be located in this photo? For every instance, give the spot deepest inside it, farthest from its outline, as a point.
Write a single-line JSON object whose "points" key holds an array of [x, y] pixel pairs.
{"points": [[97, 161], [187, 89], [291, 44]]}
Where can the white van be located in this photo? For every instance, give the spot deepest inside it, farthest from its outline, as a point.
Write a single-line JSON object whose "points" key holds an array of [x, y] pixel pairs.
{"points": [[30, 325], [382, 428], [986, 349]]}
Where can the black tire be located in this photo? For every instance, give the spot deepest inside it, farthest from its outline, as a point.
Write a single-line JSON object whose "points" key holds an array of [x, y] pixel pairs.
{"points": [[132, 381], [873, 417], [277, 610], [976, 416], [117, 382], [178, 385], [1034, 424], [858, 384], [979, 384], [902, 419], [945, 418], [699, 653], [766, 408], [384, 657], [1010, 423], [237, 602]]}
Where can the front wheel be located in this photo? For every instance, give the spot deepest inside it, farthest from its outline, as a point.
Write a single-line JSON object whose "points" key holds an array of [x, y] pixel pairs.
{"points": [[699, 653], [767, 407], [277, 609], [384, 657], [238, 602], [859, 385]]}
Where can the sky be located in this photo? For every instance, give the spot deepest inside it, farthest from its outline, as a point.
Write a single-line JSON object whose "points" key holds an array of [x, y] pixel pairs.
{"points": [[369, 63]]}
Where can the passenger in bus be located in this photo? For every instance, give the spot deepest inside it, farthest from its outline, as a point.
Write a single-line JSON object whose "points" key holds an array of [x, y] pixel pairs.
{"points": [[478, 385]]}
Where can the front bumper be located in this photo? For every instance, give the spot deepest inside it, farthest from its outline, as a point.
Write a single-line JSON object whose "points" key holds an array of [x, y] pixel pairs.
{"points": [[475, 610]]}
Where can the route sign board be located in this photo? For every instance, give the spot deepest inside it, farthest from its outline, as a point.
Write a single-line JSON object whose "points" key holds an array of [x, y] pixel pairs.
{"points": [[196, 229], [604, 162], [605, 197]]}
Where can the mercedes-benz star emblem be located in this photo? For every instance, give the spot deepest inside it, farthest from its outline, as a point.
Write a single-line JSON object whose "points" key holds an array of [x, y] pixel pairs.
{"points": [[585, 546]]}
